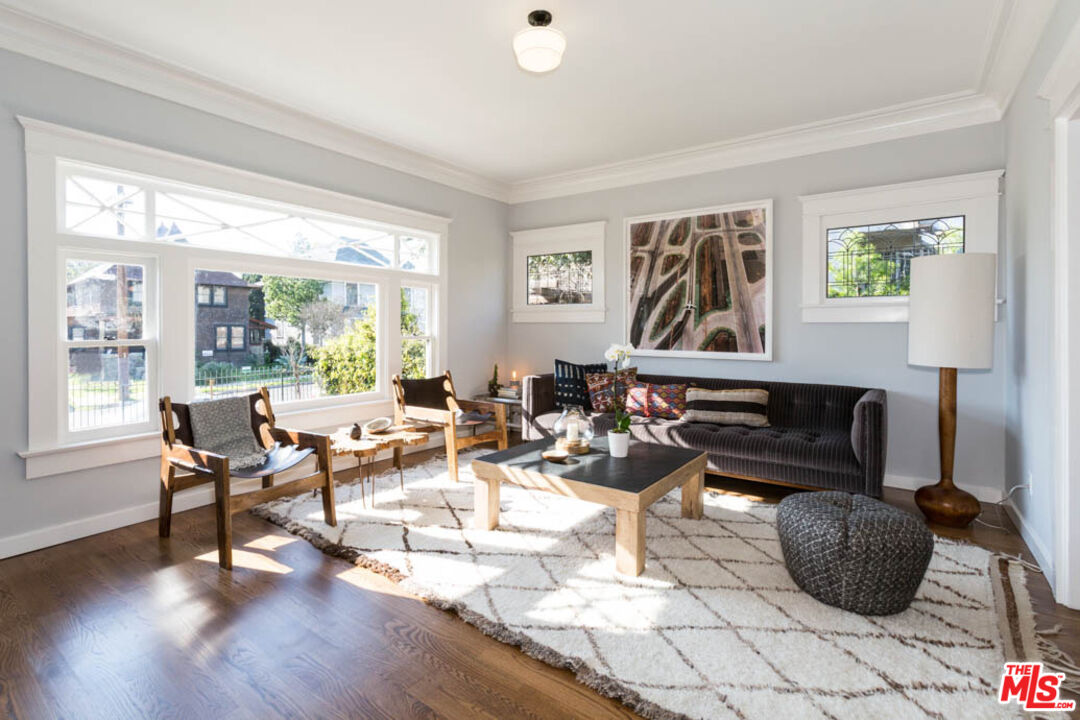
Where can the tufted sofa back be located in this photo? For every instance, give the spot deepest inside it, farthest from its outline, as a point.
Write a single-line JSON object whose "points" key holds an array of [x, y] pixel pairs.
{"points": [[790, 404]]}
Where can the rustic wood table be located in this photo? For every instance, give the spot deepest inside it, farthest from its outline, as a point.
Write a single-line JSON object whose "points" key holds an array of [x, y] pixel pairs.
{"points": [[396, 438]]}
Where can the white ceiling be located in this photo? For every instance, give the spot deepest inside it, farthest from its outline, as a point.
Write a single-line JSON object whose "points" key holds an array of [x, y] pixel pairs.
{"points": [[639, 77]]}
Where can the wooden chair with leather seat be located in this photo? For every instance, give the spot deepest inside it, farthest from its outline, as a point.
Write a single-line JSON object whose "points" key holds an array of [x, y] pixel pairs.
{"points": [[184, 466], [433, 400]]}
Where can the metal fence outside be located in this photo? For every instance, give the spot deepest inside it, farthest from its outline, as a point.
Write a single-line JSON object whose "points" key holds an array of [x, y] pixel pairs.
{"points": [[104, 403], [283, 384]]}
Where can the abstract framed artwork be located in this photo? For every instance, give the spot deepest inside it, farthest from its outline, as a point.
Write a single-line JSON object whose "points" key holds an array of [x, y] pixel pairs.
{"points": [[699, 282]]}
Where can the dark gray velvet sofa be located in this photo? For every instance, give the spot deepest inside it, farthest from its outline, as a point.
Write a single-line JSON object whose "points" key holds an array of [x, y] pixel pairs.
{"points": [[821, 436]]}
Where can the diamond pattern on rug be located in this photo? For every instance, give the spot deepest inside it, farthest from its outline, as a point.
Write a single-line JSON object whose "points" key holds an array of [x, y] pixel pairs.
{"points": [[714, 627]]}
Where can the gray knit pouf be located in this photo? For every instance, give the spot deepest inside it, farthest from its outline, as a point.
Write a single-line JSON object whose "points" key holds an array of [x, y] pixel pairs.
{"points": [[853, 552]]}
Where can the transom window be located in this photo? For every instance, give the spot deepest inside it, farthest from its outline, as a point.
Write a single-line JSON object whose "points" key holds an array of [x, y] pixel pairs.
{"points": [[875, 260], [258, 281], [110, 205], [858, 244]]}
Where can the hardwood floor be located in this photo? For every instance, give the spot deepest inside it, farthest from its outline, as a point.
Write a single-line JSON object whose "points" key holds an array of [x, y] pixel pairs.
{"points": [[124, 625]]}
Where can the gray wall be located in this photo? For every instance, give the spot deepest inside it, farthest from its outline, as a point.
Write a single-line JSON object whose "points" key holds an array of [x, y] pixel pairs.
{"points": [[1029, 397], [477, 258], [863, 354]]}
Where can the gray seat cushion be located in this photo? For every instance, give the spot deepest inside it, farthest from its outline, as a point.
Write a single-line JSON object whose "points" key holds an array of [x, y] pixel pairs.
{"points": [[853, 552], [811, 449]]}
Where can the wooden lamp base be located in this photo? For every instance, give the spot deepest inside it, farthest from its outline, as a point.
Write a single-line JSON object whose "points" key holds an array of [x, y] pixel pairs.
{"points": [[944, 503]]}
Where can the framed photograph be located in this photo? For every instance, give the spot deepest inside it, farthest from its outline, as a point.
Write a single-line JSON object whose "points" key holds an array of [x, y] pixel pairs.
{"points": [[559, 274], [699, 282]]}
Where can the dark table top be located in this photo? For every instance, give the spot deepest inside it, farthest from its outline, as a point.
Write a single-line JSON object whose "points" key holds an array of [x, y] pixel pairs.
{"points": [[645, 465]]}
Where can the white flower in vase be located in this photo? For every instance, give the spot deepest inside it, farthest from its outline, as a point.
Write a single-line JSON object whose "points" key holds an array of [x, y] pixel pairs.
{"points": [[619, 354]]}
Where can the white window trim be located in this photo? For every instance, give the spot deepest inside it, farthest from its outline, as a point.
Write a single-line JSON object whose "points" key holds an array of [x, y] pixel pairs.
{"points": [[432, 315], [562, 239], [52, 452], [976, 196]]}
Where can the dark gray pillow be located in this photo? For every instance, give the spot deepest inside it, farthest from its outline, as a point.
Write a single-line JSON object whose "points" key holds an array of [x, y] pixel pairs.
{"points": [[570, 385]]}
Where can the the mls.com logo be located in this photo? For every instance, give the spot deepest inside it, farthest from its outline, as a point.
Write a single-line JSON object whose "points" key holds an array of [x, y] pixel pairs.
{"points": [[1034, 690]]}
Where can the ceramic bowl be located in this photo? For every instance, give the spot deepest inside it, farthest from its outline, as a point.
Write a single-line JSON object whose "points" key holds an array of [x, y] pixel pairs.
{"points": [[555, 455]]}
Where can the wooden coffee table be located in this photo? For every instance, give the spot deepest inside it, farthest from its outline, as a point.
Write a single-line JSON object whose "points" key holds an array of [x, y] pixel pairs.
{"points": [[365, 448], [630, 485]]}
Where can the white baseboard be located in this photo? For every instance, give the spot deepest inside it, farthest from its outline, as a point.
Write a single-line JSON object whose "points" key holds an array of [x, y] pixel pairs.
{"points": [[981, 492], [187, 500], [1035, 544]]}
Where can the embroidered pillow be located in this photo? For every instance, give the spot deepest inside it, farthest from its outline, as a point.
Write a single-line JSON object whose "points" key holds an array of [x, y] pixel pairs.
{"points": [[728, 407], [663, 401], [570, 387], [602, 388]]}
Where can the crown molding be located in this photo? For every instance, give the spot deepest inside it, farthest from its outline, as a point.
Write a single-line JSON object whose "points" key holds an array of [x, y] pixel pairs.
{"points": [[59, 45], [1016, 29], [1015, 34], [1061, 86], [862, 129]]}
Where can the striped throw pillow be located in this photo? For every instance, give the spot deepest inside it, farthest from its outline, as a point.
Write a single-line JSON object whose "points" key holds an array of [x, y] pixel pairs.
{"points": [[570, 386], [727, 407]]}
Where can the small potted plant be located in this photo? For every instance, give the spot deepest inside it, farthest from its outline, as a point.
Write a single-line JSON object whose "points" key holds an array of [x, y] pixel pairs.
{"points": [[619, 436]]}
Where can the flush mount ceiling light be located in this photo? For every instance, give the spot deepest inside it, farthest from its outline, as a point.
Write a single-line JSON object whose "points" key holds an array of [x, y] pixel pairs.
{"points": [[539, 48]]}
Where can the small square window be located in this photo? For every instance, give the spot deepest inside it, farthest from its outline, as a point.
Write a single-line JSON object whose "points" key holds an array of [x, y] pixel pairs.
{"points": [[222, 340]]}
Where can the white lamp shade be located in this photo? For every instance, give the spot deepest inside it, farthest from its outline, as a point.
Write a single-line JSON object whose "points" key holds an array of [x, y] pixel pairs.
{"points": [[539, 49], [951, 311]]}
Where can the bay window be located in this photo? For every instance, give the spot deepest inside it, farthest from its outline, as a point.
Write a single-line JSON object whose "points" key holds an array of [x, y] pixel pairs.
{"points": [[252, 282]]}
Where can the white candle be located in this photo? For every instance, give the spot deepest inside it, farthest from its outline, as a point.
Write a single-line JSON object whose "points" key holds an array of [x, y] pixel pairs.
{"points": [[572, 431]]}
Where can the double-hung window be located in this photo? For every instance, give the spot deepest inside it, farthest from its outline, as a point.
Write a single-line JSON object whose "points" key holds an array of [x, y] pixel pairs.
{"points": [[417, 337], [152, 274], [109, 339]]}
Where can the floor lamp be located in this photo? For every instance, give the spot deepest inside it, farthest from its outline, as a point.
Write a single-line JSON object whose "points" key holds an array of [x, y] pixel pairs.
{"points": [[950, 327]]}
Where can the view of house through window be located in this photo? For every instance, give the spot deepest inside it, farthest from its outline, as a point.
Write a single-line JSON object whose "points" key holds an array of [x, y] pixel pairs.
{"points": [[308, 334], [106, 352], [560, 278], [875, 260], [301, 338]]}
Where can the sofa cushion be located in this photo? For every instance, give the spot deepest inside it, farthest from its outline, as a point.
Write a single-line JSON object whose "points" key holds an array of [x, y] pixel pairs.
{"points": [[811, 448], [602, 388], [570, 387], [659, 401], [741, 406]]}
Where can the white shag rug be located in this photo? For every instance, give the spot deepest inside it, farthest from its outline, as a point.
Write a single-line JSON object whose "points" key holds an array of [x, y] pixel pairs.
{"points": [[714, 628]]}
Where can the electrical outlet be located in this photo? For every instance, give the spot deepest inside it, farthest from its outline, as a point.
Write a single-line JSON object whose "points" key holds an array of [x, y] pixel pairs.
{"points": [[1030, 485]]}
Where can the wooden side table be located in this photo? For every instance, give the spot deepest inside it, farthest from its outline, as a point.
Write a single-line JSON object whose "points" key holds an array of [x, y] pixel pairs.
{"points": [[513, 409], [365, 449]]}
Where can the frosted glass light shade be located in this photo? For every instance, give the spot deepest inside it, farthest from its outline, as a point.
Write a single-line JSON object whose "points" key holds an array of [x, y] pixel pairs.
{"points": [[951, 310], [539, 49]]}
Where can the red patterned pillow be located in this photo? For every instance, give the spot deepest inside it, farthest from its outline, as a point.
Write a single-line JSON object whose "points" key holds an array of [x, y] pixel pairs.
{"points": [[602, 388], [663, 401]]}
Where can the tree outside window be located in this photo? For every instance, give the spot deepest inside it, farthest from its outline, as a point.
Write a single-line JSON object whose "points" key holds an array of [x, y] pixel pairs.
{"points": [[875, 260]]}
